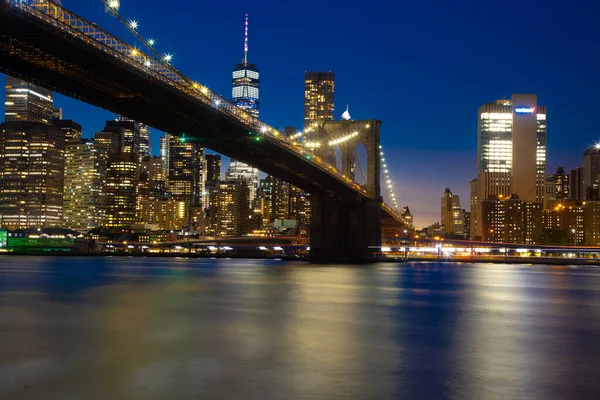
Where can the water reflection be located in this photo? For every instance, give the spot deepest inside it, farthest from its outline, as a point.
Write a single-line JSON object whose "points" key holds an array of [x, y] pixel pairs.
{"points": [[135, 328]]}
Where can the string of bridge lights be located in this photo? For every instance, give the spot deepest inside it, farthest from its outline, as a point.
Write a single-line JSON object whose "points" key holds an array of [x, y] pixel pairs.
{"points": [[113, 6], [386, 176]]}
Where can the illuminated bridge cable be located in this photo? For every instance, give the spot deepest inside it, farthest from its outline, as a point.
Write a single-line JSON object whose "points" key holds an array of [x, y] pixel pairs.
{"points": [[387, 179]]}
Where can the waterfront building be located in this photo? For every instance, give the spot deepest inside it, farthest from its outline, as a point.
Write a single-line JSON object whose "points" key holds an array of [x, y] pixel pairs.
{"points": [[511, 150], [165, 214], [26, 102], [84, 199], [510, 220], [121, 189], [567, 219]]}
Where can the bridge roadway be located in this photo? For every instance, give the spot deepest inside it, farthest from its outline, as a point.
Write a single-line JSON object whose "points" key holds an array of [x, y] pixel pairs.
{"points": [[50, 46]]}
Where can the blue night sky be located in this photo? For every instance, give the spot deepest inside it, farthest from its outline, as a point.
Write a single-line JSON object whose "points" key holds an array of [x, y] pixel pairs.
{"points": [[423, 68]]}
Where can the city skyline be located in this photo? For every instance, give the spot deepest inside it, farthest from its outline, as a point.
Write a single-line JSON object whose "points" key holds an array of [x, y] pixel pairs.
{"points": [[449, 139]]}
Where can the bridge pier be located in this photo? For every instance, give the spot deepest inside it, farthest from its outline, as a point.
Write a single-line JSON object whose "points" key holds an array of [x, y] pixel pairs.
{"points": [[344, 230]]}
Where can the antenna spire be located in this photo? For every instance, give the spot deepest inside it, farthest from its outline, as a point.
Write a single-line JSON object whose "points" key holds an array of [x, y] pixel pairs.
{"points": [[246, 42]]}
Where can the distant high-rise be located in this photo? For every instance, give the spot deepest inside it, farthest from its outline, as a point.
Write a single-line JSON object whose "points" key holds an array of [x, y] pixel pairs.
{"points": [[110, 142], [213, 169], [186, 173], [448, 203], [591, 172], [245, 82], [244, 94], [71, 129], [318, 97], [121, 189], [576, 191], [561, 184], [511, 150], [130, 131], [238, 171], [85, 183], [143, 136], [27, 102]]}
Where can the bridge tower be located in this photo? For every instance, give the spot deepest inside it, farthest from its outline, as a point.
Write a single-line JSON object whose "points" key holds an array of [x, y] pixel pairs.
{"points": [[347, 229]]}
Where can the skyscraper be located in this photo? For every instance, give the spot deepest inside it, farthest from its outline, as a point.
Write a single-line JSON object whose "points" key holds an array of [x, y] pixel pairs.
{"points": [[231, 209], [561, 183], [31, 159], [130, 132], [245, 82], [213, 169], [31, 175], [143, 136], [511, 150], [186, 174], [85, 183], [576, 191], [245, 95], [27, 102], [241, 172], [318, 97], [121, 189]]}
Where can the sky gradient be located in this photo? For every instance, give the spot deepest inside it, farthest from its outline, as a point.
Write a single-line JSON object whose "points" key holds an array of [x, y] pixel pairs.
{"points": [[423, 68]]}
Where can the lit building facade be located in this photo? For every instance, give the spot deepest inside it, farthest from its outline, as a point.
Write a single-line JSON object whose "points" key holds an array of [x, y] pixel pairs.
{"points": [[31, 175], [166, 214], [511, 220], [245, 82], [232, 212], [121, 189], [84, 199], [511, 150], [143, 136], [130, 132], [318, 97], [27, 102], [186, 174], [474, 216]]}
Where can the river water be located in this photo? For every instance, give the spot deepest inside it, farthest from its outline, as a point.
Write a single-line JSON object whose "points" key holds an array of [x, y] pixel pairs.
{"points": [[161, 328]]}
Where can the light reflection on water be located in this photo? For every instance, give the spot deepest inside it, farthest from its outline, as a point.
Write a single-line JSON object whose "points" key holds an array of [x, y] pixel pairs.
{"points": [[135, 328]]}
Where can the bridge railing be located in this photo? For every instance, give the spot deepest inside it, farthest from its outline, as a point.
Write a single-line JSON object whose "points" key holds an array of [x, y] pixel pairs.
{"points": [[89, 32]]}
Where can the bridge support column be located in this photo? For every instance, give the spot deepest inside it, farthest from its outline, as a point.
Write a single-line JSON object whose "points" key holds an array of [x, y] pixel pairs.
{"points": [[344, 230]]}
